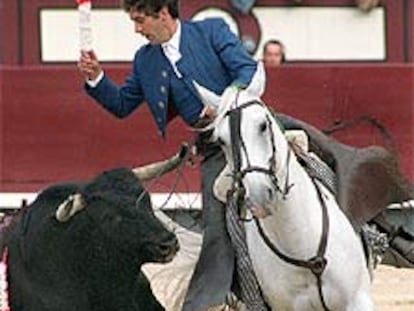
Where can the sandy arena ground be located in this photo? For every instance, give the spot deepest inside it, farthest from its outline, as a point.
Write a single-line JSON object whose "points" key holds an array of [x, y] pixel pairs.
{"points": [[393, 289]]}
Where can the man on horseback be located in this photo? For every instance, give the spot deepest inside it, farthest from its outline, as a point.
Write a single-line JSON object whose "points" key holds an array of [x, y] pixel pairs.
{"points": [[164, 73]]}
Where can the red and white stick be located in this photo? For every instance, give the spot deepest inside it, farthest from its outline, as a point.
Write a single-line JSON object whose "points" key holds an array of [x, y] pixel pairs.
{"points": [[85, 24]]}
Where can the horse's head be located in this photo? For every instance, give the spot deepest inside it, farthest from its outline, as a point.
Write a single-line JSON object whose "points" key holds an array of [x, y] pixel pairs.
{"points": [[254, 145]]}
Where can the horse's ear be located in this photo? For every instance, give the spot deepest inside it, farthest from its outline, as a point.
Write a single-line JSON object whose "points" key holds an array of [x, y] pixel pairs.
{"points": [[257, 85], [209, 98]]}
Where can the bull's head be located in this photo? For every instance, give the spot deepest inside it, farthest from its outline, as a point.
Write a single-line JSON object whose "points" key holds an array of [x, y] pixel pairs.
{"points": [[75, 203], [121, 212]]}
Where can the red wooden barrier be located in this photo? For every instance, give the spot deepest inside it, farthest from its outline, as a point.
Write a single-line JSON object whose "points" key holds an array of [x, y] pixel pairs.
{"points": [[51, 131]]}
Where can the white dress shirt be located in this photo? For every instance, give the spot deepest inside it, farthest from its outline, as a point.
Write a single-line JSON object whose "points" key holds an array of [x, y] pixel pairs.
{"points": [[171, 49]]}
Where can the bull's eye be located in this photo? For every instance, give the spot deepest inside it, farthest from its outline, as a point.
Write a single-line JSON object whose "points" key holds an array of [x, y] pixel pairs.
{"points": [[263, 127]]}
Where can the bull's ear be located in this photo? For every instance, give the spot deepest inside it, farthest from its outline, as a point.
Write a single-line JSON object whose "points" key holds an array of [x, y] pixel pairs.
{"points": [[73, 204]]}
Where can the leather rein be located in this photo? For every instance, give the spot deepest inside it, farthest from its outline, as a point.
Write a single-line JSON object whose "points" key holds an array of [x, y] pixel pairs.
{"points": [[316, 264]]}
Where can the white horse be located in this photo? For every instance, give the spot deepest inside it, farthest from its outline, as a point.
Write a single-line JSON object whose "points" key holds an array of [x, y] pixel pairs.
{"points": [[289, 207]]}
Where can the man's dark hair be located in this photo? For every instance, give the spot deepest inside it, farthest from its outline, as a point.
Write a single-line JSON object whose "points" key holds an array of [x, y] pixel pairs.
{"points": [[152, 7]]}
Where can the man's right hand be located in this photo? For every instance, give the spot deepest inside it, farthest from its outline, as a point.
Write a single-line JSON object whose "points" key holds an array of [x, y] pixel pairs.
{"points": [[89, 65]]}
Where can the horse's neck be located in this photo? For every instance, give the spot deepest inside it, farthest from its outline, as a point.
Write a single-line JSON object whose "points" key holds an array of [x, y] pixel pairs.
{"points": [[297, 218]]}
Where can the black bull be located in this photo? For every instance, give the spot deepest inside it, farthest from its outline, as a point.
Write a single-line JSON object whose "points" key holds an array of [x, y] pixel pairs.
{"points": [[59, 261]]}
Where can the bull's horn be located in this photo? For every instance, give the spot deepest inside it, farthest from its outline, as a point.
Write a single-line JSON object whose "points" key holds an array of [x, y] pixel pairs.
{"points": [[73, 204], [157, 169]]}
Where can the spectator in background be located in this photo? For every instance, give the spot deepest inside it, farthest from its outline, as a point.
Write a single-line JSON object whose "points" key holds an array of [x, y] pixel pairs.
{"points": [[273, 53]]}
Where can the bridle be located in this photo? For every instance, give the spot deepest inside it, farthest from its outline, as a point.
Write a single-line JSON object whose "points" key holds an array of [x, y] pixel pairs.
{"points": [[237, 144], [316, 264]]}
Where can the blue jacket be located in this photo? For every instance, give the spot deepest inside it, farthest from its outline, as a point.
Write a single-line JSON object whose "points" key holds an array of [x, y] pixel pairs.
{"points": [[211, 55]]}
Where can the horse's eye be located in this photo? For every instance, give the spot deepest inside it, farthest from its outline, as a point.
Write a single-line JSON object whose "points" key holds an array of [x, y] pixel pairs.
{"points": [[263, 127], [220, 141]]}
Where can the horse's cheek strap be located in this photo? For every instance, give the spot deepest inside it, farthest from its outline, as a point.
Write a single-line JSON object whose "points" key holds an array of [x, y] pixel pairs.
{"points": [[235, 121]]}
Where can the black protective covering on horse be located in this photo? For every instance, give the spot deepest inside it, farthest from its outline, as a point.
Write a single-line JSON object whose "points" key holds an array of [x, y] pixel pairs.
{"points": [[91, 262]]}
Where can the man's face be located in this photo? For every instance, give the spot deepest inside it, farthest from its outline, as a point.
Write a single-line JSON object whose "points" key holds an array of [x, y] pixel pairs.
{"points": [[153, 28], [273, 55]]}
